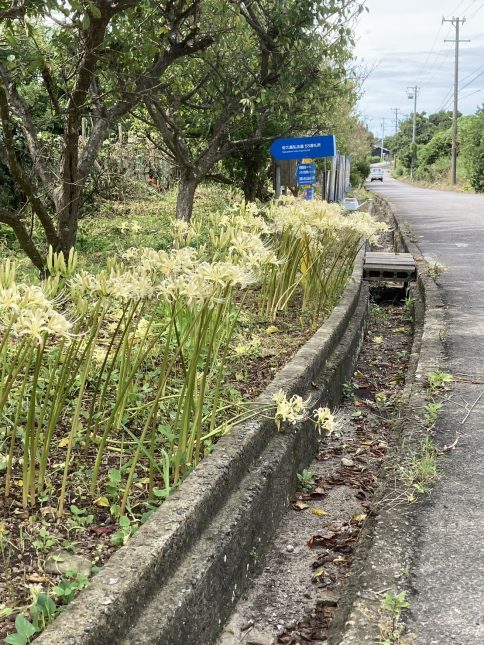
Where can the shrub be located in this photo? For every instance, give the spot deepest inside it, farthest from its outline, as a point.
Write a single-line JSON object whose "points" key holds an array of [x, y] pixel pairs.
{"points": [[472, 149]]}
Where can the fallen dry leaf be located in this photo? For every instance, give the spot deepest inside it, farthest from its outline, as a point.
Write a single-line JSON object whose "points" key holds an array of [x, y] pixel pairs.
{"points": [[102, 501], [319, 512]]}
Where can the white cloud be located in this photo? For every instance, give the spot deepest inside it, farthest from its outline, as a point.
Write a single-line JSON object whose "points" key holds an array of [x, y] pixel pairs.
{"points": [[403, 44]]}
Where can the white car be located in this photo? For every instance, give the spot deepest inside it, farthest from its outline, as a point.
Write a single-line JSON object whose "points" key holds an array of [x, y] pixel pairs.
{"points": [[376, 174]]}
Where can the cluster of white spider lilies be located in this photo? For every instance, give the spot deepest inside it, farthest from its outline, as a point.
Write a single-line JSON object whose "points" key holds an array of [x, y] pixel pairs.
{"points": [[131, 360]]}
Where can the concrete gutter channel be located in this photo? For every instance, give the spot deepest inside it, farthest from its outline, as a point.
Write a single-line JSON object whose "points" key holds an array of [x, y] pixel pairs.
{"points": [[387, 547], [176, 581]]}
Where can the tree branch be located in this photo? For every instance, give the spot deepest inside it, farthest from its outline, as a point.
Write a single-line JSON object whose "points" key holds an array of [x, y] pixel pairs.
{"points": [[30, 132], [19, 175], [16, 10], [10, 219]]}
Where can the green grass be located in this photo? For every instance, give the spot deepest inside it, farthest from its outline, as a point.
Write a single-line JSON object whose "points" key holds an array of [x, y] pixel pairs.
{"points": [[111, 227]]}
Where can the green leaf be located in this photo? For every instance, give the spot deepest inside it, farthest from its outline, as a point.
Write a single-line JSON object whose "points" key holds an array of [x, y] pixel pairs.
{"points": [[16, 639], [94, 11], [24, 627], [115, 475]]}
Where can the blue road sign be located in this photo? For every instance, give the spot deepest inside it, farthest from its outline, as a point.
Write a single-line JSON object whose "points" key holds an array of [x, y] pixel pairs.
{"points": [[306, 166], [306, 182], [301, 147], [306, 174]]}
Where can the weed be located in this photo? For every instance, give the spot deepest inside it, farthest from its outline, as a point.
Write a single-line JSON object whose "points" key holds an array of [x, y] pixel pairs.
{"points": [[438, 380], [393, 604], [79, 518], [421, 473], [44, 541], [71, 583], [409, 307], [24, 630], [348, 390], [127, 528], [377, 312], [432, 412], [306, 479], [435, 270]]}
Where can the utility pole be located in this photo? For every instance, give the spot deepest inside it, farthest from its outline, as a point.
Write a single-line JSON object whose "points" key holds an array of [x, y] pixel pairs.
{"points": [[412, 93], [456, 22], [382, 137], [396, 110]]}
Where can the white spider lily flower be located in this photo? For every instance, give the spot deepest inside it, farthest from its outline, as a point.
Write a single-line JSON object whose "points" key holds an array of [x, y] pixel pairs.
{"points": [[324, 421], [58, 325], [225, 274], [32, 323], [10, 299], [291, 410]]}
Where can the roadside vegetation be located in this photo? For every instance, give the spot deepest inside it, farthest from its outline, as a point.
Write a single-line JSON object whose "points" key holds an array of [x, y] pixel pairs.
{"points": [[429, 157], [116, 382], [149, 288]]}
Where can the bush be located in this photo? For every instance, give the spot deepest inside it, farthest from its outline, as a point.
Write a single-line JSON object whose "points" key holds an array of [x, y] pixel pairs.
{"points": [[359, 172], [472, 149], [438, 147]]}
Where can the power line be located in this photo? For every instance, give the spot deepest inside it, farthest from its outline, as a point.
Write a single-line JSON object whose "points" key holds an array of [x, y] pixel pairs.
{"points": [[476, 11], [473, 72], [471, 93], [472, 80], [443, 52], [422, 69]]}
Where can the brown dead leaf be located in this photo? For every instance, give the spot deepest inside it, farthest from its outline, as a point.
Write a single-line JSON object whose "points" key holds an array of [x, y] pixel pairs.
{"points": [[36, 578], [318, 492], [102, 530], [319, 540], [300, 505]]}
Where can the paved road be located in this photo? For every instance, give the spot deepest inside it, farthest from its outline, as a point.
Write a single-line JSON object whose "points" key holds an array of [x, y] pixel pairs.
{"points": [[448, 604]]}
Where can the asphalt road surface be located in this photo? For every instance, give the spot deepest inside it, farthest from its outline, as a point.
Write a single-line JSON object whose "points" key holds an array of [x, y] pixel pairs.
{"points": [[447, 606]]}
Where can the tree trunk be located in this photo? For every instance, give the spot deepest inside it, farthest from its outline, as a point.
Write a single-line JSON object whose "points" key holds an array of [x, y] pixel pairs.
{"points": [[186, 195], [68, 213], [249, 185], [254, 162]]}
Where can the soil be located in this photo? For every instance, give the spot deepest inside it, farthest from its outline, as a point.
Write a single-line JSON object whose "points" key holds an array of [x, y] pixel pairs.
{"points": [[295, 596]]}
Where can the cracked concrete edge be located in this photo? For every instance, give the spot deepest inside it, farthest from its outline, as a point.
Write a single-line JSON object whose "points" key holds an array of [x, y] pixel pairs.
{"points": [[104, 611], [387, 547]]}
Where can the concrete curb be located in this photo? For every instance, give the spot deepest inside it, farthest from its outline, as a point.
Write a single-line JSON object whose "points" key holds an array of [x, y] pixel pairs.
{"points": [[176, 580], [385, 552]]}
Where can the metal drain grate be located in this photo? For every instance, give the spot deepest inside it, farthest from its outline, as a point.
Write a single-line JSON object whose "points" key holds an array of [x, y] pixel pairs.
{"points": [[395, 267]]}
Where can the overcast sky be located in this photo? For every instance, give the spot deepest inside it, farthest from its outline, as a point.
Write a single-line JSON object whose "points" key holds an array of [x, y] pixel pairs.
{"points": [[401, 43]]}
